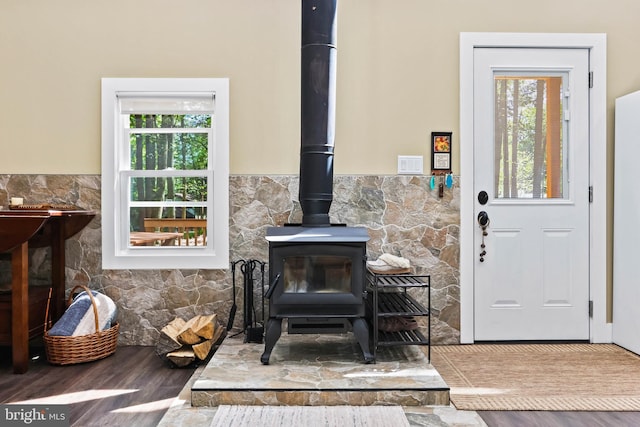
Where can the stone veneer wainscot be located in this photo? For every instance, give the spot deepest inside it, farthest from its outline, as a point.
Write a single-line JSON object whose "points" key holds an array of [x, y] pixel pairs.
{"points": [[403, 215]]}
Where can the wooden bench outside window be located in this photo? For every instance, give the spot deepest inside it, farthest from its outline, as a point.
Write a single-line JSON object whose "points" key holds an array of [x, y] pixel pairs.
{"points": [[193, 230], [153, 238]]}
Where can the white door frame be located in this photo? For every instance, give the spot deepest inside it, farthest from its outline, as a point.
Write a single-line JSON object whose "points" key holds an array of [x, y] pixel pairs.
{"points": [[600, 330]]}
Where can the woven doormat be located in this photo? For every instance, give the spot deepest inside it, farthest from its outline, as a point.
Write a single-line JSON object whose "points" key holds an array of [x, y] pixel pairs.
{"points": [[309, 416], [531, 377]]}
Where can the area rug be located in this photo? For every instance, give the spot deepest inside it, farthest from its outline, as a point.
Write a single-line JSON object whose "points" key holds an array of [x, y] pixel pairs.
{"points": [[544, 377], [309, 416]]}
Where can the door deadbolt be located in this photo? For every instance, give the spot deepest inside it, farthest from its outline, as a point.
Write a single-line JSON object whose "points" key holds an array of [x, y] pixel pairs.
{"points": [[483, 197]]}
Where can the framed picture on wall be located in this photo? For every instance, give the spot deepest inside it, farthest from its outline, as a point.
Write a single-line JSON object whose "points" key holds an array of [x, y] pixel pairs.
{"points": [[441, 151]]}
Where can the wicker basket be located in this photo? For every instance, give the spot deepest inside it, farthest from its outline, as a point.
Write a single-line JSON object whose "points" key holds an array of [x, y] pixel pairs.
{"points": [[67, 350]]}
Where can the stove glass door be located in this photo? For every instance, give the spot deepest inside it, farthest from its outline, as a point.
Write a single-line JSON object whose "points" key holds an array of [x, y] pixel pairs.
{"points": [[317, 274]]}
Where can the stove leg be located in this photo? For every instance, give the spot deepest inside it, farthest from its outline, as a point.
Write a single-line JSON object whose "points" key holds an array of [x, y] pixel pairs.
{"points": [[272, 335], [361, 331]]}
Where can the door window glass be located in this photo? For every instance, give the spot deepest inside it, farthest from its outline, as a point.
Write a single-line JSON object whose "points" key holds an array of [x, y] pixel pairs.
{"points": [[530, 136]]}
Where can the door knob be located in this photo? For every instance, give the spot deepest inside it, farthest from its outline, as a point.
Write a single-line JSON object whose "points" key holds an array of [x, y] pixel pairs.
{"points": [[483, 219]]}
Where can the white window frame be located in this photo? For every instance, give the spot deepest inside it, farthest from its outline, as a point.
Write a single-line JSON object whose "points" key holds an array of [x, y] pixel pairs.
{"points": [[117, 253]]}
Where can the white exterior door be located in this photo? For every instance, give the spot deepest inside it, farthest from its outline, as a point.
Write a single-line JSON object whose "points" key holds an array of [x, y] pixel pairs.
{"points": [[531, 190]]}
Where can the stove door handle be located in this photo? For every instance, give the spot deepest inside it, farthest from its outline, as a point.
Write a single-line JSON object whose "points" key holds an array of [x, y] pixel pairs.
{"points": [[272, 286]]}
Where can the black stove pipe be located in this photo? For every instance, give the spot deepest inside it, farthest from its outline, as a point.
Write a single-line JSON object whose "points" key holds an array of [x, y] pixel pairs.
{"points": [[318, 99]]}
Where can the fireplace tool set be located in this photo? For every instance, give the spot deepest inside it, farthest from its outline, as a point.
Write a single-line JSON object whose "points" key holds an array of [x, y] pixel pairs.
{"points": [[253, 330]]}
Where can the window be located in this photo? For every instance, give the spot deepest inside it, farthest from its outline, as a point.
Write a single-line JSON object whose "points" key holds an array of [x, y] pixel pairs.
{"points": [[530, 135], [165, 173]]}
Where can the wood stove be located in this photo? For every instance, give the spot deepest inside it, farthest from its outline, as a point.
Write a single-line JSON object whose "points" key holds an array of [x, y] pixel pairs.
{"points": [[317, 269], [317, 282]]}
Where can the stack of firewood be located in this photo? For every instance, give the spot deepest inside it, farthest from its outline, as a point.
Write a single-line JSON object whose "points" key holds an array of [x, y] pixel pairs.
{"points": [[182, 342]]}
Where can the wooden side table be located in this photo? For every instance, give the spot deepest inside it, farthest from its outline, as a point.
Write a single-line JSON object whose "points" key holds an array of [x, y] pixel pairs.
{"points": [[19, 230]]}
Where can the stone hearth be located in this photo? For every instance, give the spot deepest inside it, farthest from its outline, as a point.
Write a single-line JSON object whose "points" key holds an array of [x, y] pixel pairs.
{"points": [[309, 369]]}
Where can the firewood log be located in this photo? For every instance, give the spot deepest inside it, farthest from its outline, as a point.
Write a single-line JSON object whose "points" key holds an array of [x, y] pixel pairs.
{"points": [[204, 326], [168, 340], [218, 332], [201, 350], [182, 358], [197, 328]]}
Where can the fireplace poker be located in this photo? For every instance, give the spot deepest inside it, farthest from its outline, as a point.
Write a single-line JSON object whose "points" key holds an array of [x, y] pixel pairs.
{"points": [[253, 333], [247, 269], [234, 307]]}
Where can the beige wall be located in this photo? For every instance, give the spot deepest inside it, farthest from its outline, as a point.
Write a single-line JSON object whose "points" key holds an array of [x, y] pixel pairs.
{"points": [[397, 71]]}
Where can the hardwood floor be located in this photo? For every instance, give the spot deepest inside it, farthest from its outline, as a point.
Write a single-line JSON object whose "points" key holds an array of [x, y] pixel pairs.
{"points": [[133, 387], [559, 419]]}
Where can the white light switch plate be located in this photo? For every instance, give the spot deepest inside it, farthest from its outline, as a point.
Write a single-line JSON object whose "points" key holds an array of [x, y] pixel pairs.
{"points": [[410, 165]]}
